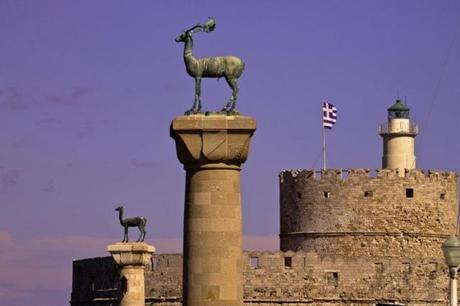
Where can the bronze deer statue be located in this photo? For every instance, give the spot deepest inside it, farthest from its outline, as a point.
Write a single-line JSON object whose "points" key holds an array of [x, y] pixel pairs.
{"points": [[139, 222], [229, 67]]}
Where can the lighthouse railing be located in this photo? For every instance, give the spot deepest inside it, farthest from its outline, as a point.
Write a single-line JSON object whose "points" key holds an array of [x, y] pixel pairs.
{"points": [[403, 128]]}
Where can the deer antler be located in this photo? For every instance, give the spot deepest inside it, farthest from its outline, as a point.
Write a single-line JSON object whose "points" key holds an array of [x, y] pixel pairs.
{"points": [[196, 28], [209, 26]]}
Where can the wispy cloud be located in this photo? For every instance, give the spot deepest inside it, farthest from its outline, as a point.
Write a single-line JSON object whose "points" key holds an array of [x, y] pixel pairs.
{"points": [[85, 132], [173, 245], [261, 243], [8, 179], [12, 99], [70, 98], [41, 262], [5, 240], [49, 187], [49, 121]]}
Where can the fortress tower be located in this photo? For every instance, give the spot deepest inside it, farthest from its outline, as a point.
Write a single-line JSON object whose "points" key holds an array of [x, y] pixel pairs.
{"points": [[356, 213], [396, 211], [398, 139]]}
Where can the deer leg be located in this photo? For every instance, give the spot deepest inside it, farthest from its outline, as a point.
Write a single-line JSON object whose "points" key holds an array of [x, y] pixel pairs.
{"points": [[235, 91], [143, 235], [232, 101], [141, 231], [198, 92], [197, 102], [142, 228], [125, 239]]}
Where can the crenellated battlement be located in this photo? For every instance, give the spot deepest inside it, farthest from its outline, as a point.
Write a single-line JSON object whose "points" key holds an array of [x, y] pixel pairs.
{"points": [[364, 173]]}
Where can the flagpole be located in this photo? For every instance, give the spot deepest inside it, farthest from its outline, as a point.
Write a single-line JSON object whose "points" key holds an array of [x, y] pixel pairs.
{"points": [[324, 143]]}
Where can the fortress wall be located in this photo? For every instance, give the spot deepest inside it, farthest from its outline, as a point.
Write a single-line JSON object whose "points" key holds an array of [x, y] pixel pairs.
{"points": [[270, 279], [352, 213], [163, 278], [94, 281], [343, 279]]}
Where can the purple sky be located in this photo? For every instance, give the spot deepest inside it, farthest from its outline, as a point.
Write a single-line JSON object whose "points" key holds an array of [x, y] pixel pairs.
{"points": [[88, 90]]}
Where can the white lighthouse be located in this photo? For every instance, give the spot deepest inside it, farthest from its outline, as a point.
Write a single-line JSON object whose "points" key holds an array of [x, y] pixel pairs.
{"points": [[398, 139]]}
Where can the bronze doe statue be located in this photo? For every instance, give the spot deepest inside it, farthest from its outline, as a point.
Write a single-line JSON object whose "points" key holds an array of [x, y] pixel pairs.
{"points": [[229, 67], [140, 222]]}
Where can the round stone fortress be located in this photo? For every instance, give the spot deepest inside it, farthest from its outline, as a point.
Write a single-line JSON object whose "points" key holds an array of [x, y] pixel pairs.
{"points": [[351, 213]]}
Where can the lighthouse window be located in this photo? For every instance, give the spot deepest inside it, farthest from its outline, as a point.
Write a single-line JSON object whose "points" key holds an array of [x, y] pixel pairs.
{"points": [[409, 192], [442, 196], [368, 194], [327, 194]]}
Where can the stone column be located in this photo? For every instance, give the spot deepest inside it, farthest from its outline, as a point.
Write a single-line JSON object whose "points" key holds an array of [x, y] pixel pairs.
{"points": [[212, 149], [131, 257]]}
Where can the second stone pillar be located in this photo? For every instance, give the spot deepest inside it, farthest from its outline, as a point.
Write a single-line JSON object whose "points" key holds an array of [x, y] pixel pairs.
{"points": [[212, 149]]}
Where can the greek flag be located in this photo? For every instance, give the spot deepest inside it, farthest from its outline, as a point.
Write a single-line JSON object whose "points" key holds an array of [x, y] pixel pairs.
{"points": [[329, 115]]}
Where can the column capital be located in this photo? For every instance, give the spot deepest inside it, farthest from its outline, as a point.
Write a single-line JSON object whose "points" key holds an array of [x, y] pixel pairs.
{"points": [[131, 254], [213, 141]]}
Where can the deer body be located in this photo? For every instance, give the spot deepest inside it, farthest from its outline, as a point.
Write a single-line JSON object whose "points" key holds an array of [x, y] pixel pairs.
{"points": [[139, 222], [229, 67]]}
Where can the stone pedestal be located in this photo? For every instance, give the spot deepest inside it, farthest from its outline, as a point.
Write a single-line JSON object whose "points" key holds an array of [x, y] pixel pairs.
{"points": [[132, 258], [212, 149]]}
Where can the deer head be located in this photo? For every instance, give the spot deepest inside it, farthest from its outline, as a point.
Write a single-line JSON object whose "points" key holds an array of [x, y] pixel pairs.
{"points": [[209, 26]]}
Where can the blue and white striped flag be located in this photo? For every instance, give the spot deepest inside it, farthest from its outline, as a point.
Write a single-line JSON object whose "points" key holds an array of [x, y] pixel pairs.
{"points": [[329, 115]]}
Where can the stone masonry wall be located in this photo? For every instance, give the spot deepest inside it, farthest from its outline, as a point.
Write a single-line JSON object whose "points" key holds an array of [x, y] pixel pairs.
{"points": [[282, 278], [94, 282], [351, 213]]}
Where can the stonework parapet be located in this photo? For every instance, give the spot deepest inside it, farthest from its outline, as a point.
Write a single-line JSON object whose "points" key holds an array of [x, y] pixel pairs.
{"points": [[332, 174], [365, 174], [387, 173]]}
